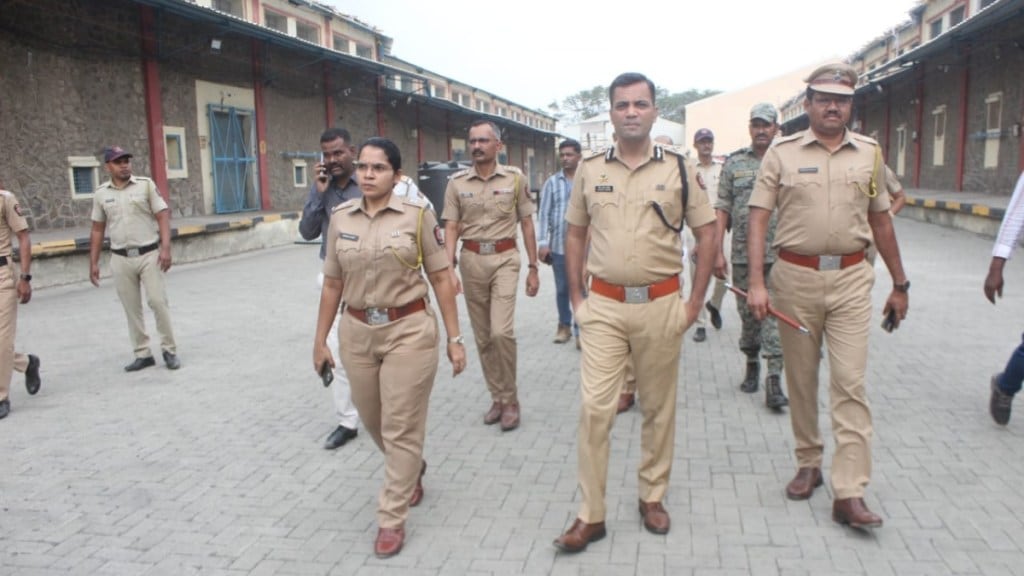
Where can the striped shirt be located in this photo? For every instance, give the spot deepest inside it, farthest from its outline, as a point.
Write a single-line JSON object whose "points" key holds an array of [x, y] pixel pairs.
{"points": [[1013, 223], [551, 225]]}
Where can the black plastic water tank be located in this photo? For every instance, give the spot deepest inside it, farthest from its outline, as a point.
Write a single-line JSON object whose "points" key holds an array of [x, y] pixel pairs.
{"points": [[432, 178]]}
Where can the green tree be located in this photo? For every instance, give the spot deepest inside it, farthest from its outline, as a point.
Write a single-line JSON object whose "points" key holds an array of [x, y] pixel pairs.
{"points": [[589, 103]]}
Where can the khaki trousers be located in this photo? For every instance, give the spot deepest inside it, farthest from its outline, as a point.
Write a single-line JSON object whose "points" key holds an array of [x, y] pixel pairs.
{"points": [[391, 368], [489, 283], [129, 273], [9, 359], [629, 383], [611, 332], [835, 305]]}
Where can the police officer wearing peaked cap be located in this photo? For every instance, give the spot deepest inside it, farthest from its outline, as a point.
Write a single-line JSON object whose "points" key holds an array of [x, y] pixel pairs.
{"points": [[827, 185]]}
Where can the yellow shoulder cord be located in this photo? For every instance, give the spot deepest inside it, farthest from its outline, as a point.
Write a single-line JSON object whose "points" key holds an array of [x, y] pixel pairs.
{"points": [[873, 190], [419, 244], [515, 196]]}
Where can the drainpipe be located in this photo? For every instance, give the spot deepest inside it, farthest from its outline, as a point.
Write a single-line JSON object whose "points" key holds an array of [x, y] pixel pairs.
{"points": [[380, 106], [154, 108], [919, 126], [328, 97], [961, 143]]}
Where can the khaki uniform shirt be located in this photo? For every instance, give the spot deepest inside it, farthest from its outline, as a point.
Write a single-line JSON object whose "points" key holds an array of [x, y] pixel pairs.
{"points": [[376, 257], [11, 221], [823, 198], [630, 245], [488, 209], [130, 212], [708, 175]]}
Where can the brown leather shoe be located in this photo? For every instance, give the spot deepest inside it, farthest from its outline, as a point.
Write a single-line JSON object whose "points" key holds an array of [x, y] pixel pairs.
{"points": [[626, 401], [509, 416], [389, 542], [854, 512], [579, 536], [417, 492], [655, 517], [802, 486], [493, 415]]}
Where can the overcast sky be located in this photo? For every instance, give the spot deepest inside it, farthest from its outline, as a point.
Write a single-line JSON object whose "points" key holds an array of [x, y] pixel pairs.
{"points": [[535, 51]]}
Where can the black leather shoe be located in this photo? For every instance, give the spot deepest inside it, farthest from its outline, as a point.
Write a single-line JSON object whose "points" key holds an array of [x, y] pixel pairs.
{"points": [[32, 381], [140, 363], [1000, 403], [716, 316], [339, 437], [5, 408], [700, 335], [171, 359]]}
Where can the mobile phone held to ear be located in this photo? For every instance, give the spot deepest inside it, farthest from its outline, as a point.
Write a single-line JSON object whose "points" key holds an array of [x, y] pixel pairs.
{"points": [[326, 374], [889, 323]]}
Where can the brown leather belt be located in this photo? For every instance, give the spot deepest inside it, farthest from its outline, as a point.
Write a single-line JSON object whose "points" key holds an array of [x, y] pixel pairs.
{"points": [[133, 252], [377, 316], [495, 247], [635, 294], [825, 262]]}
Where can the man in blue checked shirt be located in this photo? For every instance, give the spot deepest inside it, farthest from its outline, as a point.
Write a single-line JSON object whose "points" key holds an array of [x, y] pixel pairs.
{"points": [[554, 198]]}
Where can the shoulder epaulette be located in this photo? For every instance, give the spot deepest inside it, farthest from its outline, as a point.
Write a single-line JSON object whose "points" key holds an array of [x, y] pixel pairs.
{"points": [[417, 201], [346, 204], [142, 178], [6, 193], [460, 173], [104, 185], [670, 149], [790, 138], [737, 152], [512, 169], [863, 138], [596, 154]]}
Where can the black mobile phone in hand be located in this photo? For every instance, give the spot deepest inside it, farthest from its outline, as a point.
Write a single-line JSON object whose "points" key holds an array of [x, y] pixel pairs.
{"points": [[326, 374], [889, 323]]}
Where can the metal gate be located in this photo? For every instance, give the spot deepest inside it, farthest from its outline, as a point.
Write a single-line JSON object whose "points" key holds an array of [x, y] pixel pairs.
{"points": [[234, 159]]}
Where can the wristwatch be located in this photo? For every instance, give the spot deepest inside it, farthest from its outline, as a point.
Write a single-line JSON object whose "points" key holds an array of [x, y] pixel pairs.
{"points": [[457, 340], [902, 287], [26, 277]]}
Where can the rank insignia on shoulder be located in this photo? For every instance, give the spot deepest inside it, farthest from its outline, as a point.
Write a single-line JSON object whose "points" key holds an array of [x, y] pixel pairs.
{"points": [[808, 170], [347, 236], [439, 234], [604, 188]]}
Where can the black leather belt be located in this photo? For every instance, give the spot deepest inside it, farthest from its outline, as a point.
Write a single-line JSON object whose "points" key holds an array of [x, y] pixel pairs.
{"points": [[132, 252]]}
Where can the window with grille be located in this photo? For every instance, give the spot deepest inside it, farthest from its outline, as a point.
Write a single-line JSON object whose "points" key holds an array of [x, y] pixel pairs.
{"points": [[83, 176]]}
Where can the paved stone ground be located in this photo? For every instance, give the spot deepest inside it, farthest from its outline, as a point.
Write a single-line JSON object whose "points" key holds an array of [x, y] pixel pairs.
{"points": [[218, 468]]}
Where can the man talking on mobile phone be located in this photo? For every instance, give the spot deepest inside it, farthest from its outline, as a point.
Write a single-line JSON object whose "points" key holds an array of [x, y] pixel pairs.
{"points": [[332, 186]]}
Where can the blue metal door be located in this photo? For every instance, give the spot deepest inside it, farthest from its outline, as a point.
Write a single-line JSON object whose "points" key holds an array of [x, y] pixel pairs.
{"points": [[234, 159]]}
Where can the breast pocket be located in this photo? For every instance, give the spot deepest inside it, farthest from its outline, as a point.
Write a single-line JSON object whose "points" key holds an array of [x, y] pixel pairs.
{"points": [[857, 189], [348, 254], [669, 201], [603, 208], [138, 203], [402, 252], [802, 189], [501, 204]]}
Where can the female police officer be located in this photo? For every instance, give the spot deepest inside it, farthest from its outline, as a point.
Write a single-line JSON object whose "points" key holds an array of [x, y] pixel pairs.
{"points": [[376, 246]]}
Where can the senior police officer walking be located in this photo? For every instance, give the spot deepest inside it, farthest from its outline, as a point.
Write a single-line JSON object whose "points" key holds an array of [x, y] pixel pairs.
{"points": [[828, 185], [140, 246], [634, 199], [12, 291], [734, 188], [482, 205]]}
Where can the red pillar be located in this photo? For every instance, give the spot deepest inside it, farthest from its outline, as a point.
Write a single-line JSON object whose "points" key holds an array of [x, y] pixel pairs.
{"points": [[328, 97], [261, 126], [919, 128], [154, 108], [419, 137], [380, 106]]}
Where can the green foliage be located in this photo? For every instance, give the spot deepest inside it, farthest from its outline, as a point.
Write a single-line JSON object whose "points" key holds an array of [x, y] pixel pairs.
{"points": [[594, 102]]}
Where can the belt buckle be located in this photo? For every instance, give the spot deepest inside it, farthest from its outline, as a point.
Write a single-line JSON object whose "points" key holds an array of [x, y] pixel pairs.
{"points": [[377, 316], [637, 294], [488, 247], [829, 262], [132, 252]]}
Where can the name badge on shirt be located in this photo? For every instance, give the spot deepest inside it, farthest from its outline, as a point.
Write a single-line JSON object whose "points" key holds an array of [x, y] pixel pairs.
{"points": [[347, 236], [465, 194], [604, 188], [808, 170], [501, 191]]}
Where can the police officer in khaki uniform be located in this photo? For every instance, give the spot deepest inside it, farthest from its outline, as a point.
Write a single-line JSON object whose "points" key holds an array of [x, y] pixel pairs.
{"points": [[140, 246], [828, 186], [376, 247], [634, 201], [482, 205], [11, 292]]}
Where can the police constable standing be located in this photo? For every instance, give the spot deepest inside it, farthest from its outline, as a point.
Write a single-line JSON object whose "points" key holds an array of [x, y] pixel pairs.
{"points": [[828, 185], [482, 205], [12, 291], [634, 200], [140, 246], [734, 188], [376, 249]]}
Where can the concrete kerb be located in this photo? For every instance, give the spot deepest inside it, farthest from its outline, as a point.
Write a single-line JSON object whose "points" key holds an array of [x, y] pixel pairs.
{"points": [[66, 261], [971, 216]]}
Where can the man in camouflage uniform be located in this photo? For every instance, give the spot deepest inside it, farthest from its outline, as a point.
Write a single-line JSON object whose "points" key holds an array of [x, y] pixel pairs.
{"points": [[734, 188]]}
